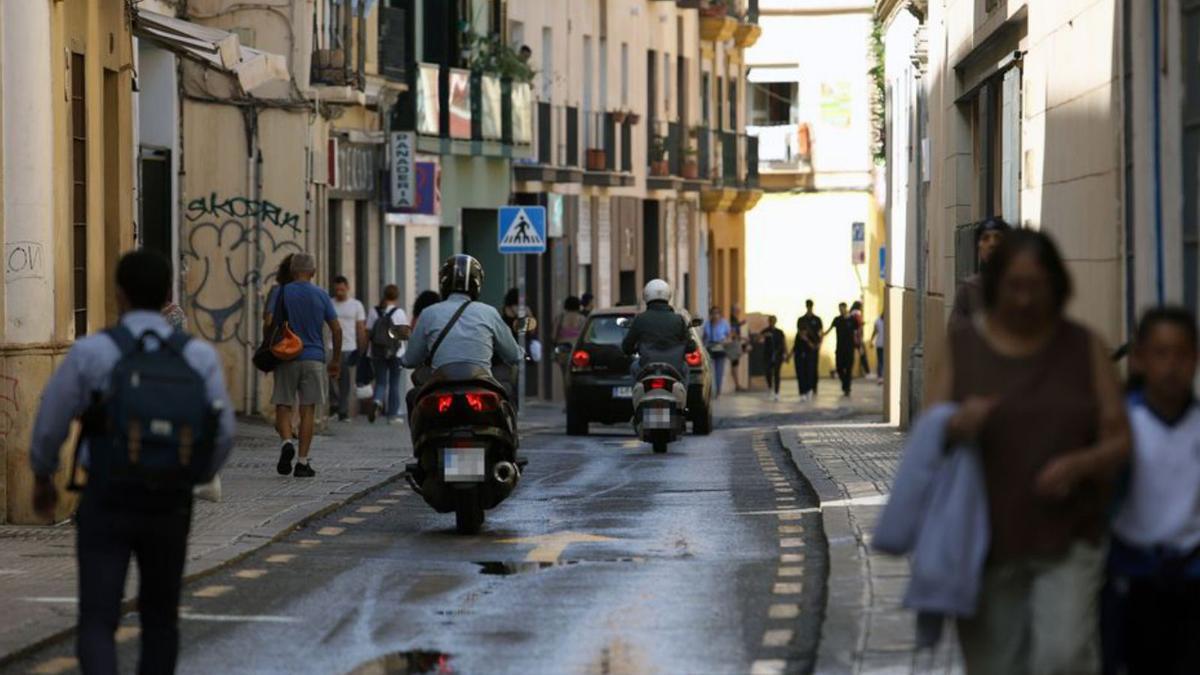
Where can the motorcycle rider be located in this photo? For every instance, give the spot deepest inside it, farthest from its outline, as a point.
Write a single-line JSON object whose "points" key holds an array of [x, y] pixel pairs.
{"points": [[659, 334], [477, 335]]}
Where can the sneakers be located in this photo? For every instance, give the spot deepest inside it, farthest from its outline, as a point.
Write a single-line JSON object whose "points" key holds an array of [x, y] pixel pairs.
{"points": [[286, 454], [396, 421], [304, 471], [777, 398], [373, 410]]}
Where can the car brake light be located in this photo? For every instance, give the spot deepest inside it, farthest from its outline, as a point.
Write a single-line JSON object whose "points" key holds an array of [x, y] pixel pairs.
{"points": [[694, 359], [657, 383], [482, 401], [444, 403], [581, 359]]}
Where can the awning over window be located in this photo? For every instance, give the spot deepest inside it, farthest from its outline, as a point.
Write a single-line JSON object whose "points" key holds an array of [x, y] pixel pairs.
{"points": [[213, 47], [765, 74]]}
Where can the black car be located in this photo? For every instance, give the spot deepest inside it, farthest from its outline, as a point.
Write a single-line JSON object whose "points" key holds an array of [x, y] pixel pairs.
{"points": [[600, 386]]}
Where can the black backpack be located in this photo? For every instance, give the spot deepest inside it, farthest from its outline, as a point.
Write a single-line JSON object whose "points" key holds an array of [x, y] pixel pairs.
{"points": [[385, 338], [151, 435]]}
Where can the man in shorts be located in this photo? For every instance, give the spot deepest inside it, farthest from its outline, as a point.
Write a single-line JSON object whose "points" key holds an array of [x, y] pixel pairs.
{"points": [[304, 378]]}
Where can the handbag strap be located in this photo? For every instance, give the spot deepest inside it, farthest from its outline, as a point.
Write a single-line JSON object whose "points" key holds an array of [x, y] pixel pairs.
{"points": [[446, 331]]}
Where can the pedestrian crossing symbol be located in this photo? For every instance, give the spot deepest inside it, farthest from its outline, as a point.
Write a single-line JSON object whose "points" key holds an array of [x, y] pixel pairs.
{"points": [[522, 229]]}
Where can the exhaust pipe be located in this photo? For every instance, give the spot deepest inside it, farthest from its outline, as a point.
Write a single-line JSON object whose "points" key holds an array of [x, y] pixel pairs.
{"points": [[506, 472]]}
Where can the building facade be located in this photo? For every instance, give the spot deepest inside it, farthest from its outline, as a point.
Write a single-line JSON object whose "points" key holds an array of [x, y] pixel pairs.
{"points": [[817, 233], [66, 187], [1077, 118]]}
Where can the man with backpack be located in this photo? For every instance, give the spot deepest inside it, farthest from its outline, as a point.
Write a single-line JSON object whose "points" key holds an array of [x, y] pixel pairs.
{"points": [[388, 329], [156, 421]]}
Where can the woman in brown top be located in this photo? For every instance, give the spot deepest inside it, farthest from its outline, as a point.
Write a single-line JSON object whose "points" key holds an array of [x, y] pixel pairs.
{"points": [[1039, 397]]}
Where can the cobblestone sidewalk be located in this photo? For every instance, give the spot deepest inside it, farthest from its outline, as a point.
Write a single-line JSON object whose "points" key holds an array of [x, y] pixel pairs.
{"points": [[37, 564], [851, 466]]}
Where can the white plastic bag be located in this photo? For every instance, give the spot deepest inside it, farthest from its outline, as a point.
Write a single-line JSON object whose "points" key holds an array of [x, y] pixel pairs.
{"points": [[364, 391], [535, 351]]}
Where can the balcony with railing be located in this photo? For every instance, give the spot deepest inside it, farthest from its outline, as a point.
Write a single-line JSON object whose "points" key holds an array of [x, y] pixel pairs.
{"points": [[555, 155], [783, 148], [458, 111], [608, 144], [730, 161]]}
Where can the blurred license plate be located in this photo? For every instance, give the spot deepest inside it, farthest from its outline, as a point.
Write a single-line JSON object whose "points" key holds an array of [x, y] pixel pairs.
{"points": [[464, 465], [622, 392], [657, 418]]}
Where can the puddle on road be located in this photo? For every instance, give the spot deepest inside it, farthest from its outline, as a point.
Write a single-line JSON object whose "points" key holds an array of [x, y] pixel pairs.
{"points": [[508, 568], [407, 663]]}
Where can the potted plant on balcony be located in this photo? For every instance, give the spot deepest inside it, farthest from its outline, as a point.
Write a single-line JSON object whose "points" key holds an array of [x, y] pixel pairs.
{"points": [[619, 116], [691, 167], [633, 118], [596, 159], [658, 157], [714, 9]]}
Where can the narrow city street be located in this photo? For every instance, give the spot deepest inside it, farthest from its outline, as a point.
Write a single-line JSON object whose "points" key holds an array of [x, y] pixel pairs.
{"points": [[608, 559]]}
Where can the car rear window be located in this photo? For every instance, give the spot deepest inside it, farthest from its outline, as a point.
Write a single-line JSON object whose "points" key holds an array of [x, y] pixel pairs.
{"points": [[607, 330]]}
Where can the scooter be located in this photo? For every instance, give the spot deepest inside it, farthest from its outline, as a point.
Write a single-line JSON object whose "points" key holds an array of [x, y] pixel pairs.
{"points": [[659, 405], [465, 441]]}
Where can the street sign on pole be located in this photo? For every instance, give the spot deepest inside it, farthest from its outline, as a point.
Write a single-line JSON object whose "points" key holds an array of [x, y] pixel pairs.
{"points": [[858, 244], [522, 229]]}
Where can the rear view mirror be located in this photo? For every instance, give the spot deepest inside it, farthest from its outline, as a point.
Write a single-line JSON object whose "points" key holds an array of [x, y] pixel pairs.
{"points": [[696, 323]]}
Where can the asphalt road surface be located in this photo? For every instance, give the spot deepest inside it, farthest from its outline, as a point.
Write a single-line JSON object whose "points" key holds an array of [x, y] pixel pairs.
{"points": [[607, 559]]}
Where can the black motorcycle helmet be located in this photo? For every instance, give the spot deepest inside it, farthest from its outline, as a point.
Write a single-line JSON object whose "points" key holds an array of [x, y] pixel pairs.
{"points": [[461, 273]]}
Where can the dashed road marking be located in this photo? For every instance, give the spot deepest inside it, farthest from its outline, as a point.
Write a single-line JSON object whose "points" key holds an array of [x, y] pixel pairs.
{"points": [[791, 542], [784, 611], [127, 633], [330, 531], [387, 502], [779, 637], [791, 529], [369, 509], [352, 520], [791, 571], [250, 574], [239, 618], [59, 600], [281, 558], [212, 591], [787, 588], [791, 558], [309, 543], [789, 516]]}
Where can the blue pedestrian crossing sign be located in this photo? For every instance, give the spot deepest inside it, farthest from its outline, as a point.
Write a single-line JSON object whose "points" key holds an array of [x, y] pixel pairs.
{"points": [[522, 229]]}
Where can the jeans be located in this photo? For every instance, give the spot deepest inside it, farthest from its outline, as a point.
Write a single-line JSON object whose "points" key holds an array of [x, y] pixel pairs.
{"points": [[844, 361], [388, 383], [879, 361], [344, 391], [1038, 616], [106, 537], [718, 365], [806, 370], [774, 374]]}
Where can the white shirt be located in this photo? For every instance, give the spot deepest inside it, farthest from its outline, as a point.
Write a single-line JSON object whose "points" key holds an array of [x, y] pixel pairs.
{"points": [[1163, 505], [399, 318], [879, 332], [349, 313]]}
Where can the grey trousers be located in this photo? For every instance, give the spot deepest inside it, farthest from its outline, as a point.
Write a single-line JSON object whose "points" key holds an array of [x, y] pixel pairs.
{"points": [[1038, 616]]}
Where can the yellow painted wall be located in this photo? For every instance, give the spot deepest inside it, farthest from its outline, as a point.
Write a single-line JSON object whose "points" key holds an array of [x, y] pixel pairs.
{"points": [[728, 232], [798, 247]]}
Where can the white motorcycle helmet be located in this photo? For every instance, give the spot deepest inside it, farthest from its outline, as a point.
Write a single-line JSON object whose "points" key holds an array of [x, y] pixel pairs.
{"points": [[656, 289]]}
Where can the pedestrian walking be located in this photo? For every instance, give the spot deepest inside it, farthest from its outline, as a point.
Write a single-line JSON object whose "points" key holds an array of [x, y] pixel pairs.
{"points": [[353, 319], [586, 304], [566, 333], [807, 350], [738, 345], [877, 339], [389, 328], [774, 344], [1037, 394], [845, 327], [425, 299], [109, 381], [1152, 597], [303, 379], [860, 345], [716, 341], [968, 298]]}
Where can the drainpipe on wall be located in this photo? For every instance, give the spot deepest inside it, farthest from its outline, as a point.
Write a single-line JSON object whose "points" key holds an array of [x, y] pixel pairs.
{"points": [[916, 364], [1156, 78], [253, 263]]}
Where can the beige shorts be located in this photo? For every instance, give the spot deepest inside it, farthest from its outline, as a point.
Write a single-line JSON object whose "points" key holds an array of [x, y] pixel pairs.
{"points": [[306, 380]]}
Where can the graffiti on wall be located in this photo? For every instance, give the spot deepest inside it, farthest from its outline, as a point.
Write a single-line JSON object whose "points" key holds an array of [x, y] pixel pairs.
{"points": [[10, 408], [233, 244], [24, 260], [243, 208]]}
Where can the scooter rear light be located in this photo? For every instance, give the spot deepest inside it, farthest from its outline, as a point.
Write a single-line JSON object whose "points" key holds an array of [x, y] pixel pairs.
{"points": [[444, 403], [482, 401], [657, 383], [581, 359], [693, 358]]}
